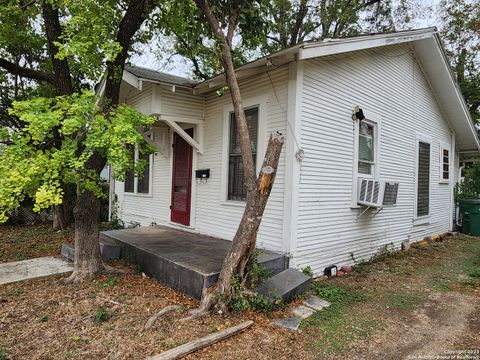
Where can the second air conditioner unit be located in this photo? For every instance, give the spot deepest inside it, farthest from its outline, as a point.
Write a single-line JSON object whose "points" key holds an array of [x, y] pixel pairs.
{"points": [[377, 193]]}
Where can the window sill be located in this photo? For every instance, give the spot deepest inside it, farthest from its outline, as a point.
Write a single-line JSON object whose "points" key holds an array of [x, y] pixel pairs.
{"points": [[234, 203], [445, 182], [424, 220], [138, 194]]}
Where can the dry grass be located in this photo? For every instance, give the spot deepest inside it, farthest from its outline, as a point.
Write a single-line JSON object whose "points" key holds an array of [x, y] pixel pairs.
{"points": [[103, 319], [26, 242]]}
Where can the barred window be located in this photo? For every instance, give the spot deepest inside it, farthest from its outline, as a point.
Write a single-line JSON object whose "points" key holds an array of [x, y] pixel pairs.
{"points": [[236, 176]]}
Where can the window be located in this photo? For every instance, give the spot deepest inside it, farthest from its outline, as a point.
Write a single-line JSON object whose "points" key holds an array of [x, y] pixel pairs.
{"points": [[129, 174], [236, 186], [366, 148], [142, 182], [144, 179], [444, 164], [423, 179]]}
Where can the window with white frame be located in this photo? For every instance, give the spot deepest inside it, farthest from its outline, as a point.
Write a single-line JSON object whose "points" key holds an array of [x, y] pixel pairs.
{"points": [[138, 184], [366, 147], [423, 179], [236, 177], [444, 163]]}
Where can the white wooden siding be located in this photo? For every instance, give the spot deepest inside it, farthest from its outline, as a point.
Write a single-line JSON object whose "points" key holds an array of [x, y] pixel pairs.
{"points": [[214, 216], [211, 215], [387, 82]]}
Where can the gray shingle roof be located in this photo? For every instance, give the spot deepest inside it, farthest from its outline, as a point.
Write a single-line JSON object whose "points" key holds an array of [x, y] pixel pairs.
{"points": [[159, 76]]}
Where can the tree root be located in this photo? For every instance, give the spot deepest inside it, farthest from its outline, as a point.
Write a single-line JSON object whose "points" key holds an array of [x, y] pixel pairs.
{"points": [[209, 302], [194, 314], [156, 316], [110, 270], [78, 276]]}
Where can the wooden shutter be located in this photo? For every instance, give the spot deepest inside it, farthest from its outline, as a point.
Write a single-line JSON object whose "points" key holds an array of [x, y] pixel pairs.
{"points": [[423, 179]]}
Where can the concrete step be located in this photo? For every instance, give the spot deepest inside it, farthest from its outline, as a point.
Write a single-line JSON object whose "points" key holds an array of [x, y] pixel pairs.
{"points": [[184, 261], [272, 262], [109, 251], [286, 285]]}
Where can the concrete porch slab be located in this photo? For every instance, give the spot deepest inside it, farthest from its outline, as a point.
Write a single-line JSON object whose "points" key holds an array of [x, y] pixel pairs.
{"points": [[185, 261], [33, 268]]}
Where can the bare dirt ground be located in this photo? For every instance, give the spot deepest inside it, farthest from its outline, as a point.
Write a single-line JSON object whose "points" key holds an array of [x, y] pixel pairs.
{"points": [[400, 306]]}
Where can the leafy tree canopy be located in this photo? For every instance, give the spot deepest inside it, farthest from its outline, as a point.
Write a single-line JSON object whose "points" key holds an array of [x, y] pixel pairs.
{"points": [[461, 34], [49, 140], [32, 167], [268, 26]]}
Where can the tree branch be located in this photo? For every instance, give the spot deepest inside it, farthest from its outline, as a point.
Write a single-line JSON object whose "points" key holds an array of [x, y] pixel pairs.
{"points": [[234, 88], [33, 74], [53, 30], [131, 22], [232, 25]]}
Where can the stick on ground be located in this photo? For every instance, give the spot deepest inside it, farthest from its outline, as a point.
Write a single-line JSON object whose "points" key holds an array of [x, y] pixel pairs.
{"points": [[192, 346], [155, 317]]}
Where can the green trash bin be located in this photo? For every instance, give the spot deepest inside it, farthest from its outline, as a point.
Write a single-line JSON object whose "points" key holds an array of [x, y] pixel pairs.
{"points": [[470, 216]]}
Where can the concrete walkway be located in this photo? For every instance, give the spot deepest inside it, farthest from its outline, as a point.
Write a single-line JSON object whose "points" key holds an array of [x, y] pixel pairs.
{"points": [[33, 268]]}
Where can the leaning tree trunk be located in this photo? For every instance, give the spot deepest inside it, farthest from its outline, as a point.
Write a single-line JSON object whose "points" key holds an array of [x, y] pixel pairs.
{"points": [[245, 238], [258, 190], [88, 261]]}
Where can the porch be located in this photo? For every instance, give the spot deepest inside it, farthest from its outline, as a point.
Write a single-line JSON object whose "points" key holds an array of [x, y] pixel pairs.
{"points": [[182, 260]]}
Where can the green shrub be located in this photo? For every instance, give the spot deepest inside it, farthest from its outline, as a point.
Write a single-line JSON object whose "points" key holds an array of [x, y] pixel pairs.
{"points": [[245, 299], [101, 315], [307, 270], [469, 188], [256, 272]]}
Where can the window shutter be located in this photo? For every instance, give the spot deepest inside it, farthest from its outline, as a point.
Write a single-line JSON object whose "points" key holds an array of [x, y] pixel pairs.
{"points": [[423, 181]]}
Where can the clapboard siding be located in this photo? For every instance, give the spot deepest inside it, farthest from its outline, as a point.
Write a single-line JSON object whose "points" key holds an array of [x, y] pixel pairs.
{"points": [[181, 103], [211, 214], [156, 207], [215, 216], [387, 82]]}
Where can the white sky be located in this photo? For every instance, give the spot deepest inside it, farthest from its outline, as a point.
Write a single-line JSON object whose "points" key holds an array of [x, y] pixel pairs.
{"points": [[181, 67]]}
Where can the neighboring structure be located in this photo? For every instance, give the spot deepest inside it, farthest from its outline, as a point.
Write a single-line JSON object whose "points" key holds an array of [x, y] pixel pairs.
{"points": [[415, 129]]}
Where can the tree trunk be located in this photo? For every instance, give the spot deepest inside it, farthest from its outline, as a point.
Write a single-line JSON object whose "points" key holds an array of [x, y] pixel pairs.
{"points": [[246, 236], [60, 217], [257, 190], [88, 261]]}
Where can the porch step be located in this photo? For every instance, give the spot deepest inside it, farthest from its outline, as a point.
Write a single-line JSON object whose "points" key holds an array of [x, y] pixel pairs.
{"points": [[285, 286], [108, 249]]}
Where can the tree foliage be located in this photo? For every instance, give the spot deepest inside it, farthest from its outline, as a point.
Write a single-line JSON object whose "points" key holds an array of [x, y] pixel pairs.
{"points": [[32, 167], [268, 26], [461, 33]]}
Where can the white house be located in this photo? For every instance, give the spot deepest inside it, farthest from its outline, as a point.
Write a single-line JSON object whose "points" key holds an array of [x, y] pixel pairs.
{"points": [[415, 130]]}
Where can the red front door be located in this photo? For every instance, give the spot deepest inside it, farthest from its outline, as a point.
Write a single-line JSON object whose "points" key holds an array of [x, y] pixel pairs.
{"points": [[181, 180]]}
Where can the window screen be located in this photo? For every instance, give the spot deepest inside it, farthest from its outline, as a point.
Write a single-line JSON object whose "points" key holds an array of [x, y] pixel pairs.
{"points": [[366, 150], [423, 181], [144, 179], [236, 177], [129, 174]]}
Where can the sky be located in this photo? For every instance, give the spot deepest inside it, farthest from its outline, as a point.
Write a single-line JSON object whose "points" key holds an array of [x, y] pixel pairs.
{"points": [[181, 67]]}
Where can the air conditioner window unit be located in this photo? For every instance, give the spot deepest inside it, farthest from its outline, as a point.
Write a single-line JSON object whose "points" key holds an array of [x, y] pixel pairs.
{"points": [[377, 193]]}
